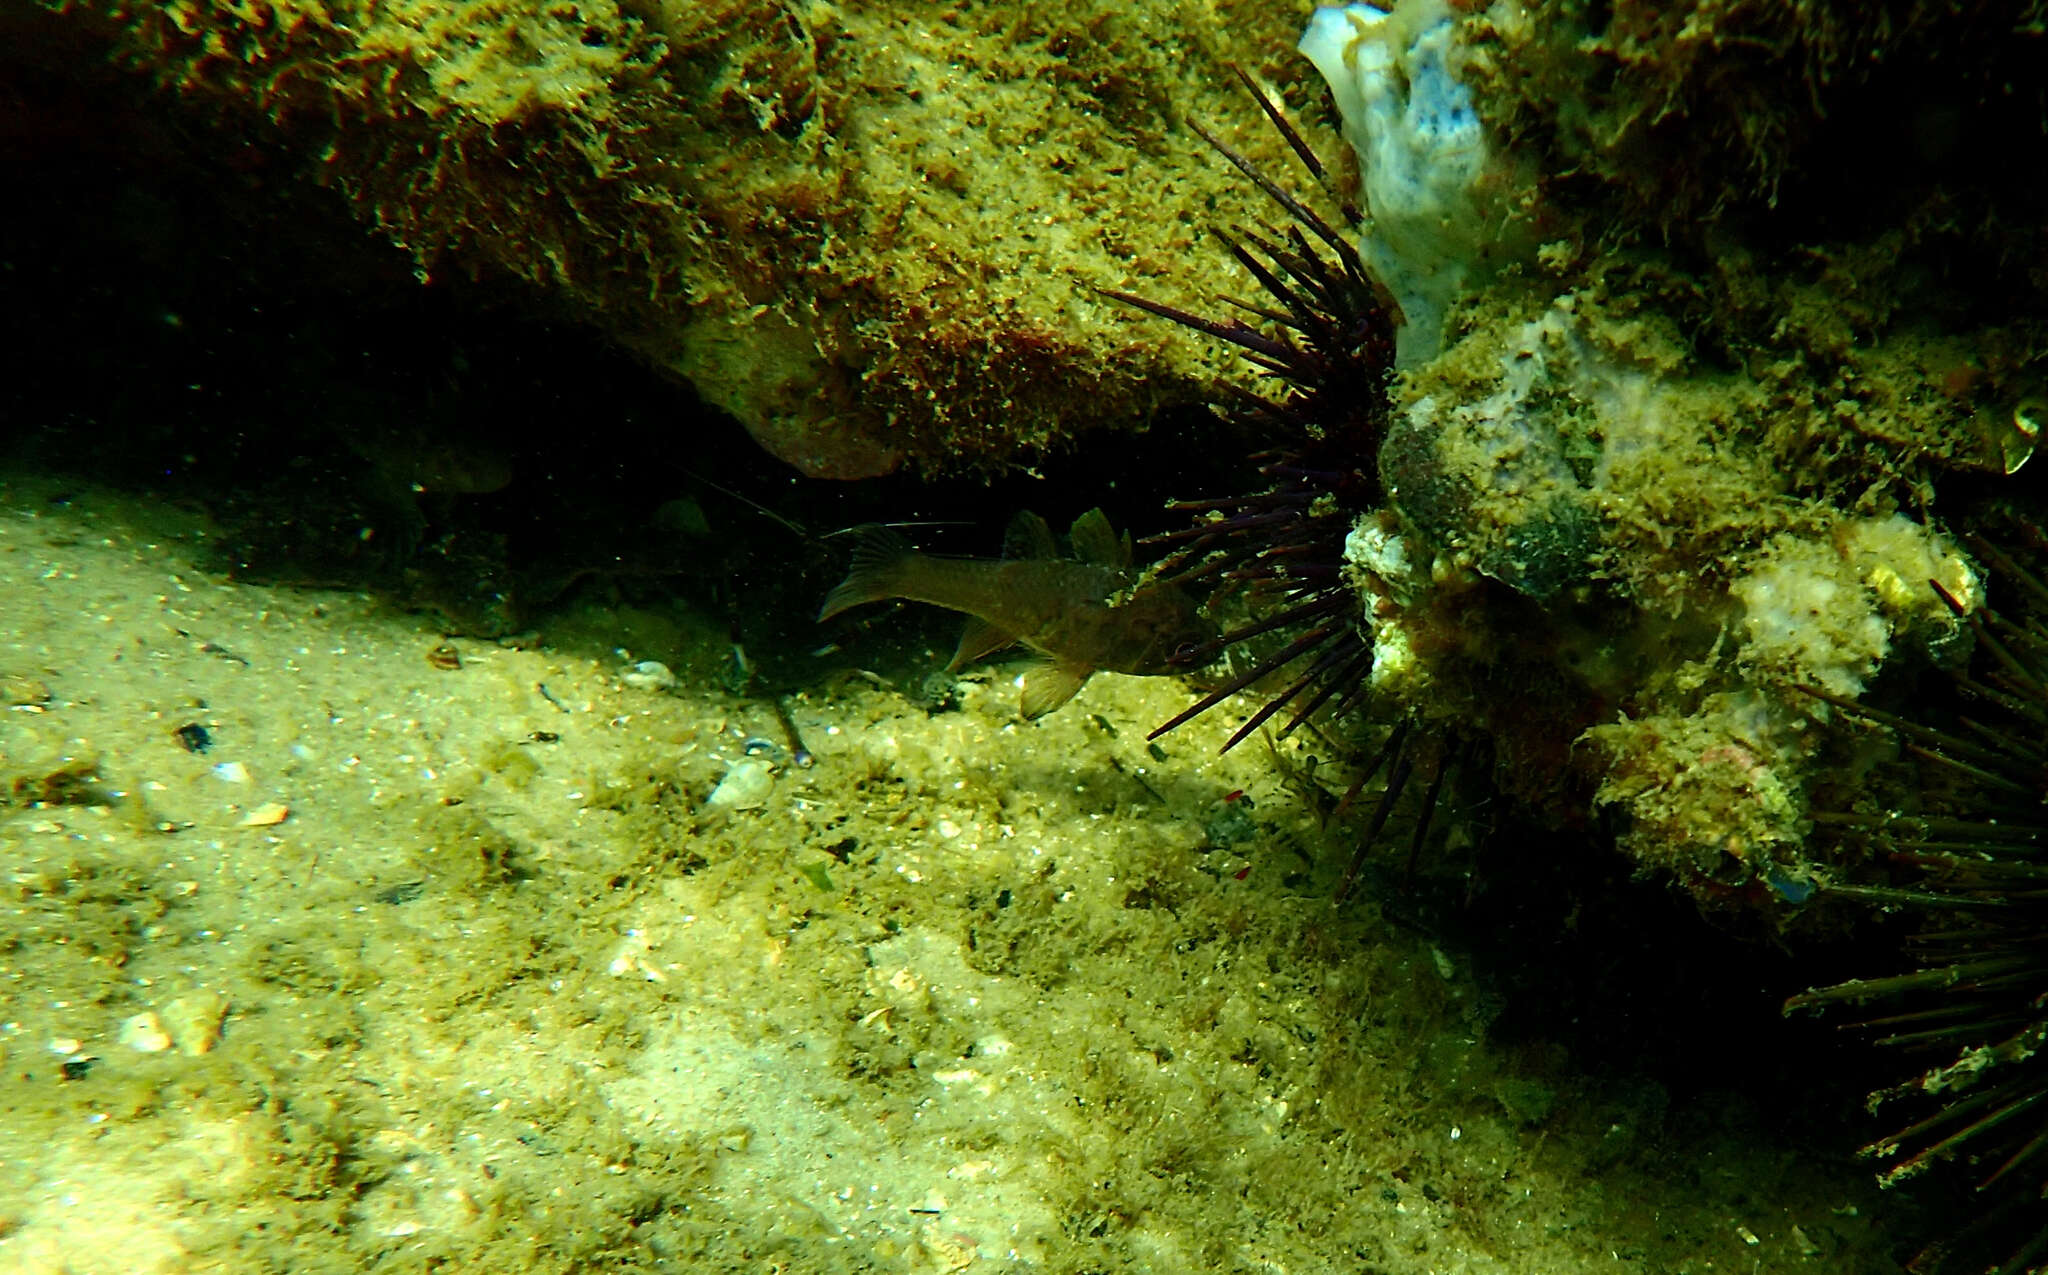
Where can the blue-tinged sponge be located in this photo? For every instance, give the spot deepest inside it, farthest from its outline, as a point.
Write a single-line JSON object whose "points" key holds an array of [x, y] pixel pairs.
{"points": [[1420, 147]]}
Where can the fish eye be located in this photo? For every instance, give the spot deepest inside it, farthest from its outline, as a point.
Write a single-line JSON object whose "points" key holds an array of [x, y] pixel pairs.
{"points": [[1185, 653]]}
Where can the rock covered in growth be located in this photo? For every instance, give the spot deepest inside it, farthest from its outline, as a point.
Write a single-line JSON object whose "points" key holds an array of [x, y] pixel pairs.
{"points": [[1676, 465], [869, 232], [1827, 611], [1588, 515], [1755, 98]]}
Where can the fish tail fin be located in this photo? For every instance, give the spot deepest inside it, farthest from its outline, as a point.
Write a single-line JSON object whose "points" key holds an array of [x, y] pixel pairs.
{"points": [[876, 574]]}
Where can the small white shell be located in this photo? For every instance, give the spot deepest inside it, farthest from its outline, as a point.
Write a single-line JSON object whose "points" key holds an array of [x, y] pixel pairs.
{"points": [[746, 785], [144, 1032], [267, 815]]}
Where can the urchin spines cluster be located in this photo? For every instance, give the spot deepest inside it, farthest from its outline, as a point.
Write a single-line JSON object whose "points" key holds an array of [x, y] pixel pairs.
{"points": [[1975, 866], [1325, 333]]}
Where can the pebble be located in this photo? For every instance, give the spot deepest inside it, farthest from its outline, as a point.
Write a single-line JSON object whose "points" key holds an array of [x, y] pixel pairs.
{"points": [[648, 675], [144, 1033], [194, 1022], [18, 691], [266, 815]]}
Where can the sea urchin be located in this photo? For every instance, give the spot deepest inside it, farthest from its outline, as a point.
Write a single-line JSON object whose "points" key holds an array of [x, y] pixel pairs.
{"points": [[1976, 864], [1325, 332]]}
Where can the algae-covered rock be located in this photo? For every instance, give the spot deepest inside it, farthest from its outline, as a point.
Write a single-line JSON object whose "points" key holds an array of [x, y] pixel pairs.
{"points": [[1752, 347], [1703, 112], [1621, 566], [870, 232]]}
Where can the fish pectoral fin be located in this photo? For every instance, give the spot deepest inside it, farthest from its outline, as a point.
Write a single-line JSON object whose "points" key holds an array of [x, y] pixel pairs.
{"points": [[1095, 541], [1049, 685], [977, 640]]}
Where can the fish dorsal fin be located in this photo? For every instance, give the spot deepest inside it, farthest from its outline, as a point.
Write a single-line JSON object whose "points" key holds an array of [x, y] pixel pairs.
{"points": [[1097, 543], [1029, 537], [1049, 684], [978, 639]]}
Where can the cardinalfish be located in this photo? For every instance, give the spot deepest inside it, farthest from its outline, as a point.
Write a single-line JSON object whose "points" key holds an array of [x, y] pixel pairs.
{"points": [[1088, 613]]}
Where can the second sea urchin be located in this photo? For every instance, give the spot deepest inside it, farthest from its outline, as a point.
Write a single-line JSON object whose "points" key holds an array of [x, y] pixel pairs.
{"points": [[1972, 861]]}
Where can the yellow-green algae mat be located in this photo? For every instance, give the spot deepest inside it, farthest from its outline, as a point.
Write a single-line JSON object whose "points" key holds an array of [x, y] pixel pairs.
{"points": [[412, 965]]}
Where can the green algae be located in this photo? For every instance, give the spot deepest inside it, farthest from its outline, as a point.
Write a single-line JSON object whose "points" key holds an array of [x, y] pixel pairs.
{"points": [[545, 1014]]}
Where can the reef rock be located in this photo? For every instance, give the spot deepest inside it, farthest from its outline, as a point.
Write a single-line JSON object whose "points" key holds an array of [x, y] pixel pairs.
{"points": [[871, 233]]}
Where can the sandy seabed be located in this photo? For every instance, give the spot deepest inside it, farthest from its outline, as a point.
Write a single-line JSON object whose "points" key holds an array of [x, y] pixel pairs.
{"points": [[319, 955]]}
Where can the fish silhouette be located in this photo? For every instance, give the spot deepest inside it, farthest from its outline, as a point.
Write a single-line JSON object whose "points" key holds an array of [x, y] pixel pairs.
{"points": [[1093, 611]]}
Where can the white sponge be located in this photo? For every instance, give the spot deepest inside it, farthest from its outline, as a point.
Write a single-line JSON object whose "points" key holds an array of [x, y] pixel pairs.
{"points": [[1421, 149]]}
